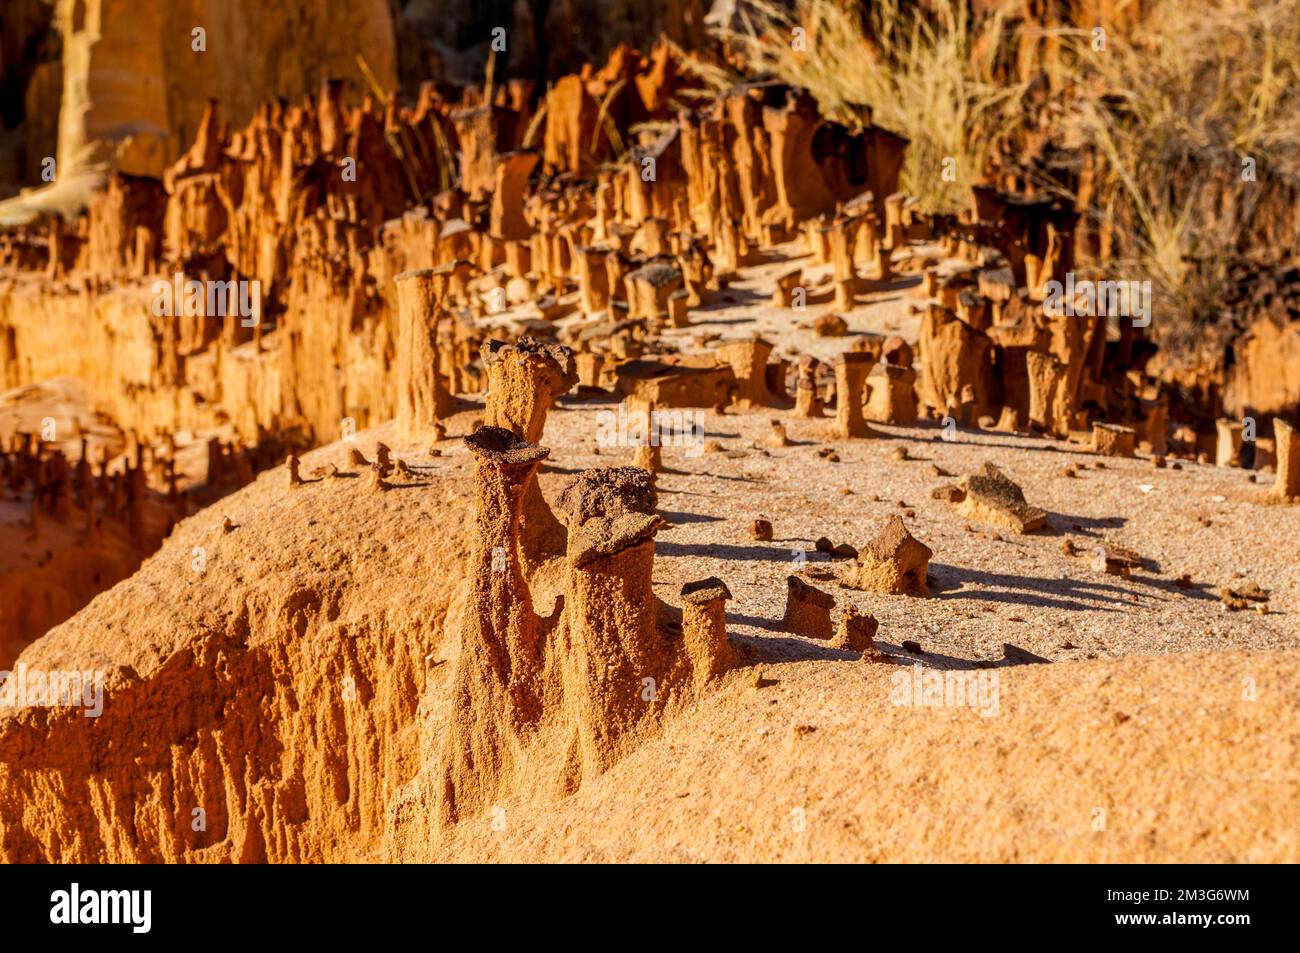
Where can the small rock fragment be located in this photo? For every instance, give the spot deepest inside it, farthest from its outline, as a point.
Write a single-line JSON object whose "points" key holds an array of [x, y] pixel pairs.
{"points": [[873, 654], [995, 498], [1251, 590], [949, 493], [1238, 596], [1113, 440], [830, 325], [778, 438], [1115, 560]]}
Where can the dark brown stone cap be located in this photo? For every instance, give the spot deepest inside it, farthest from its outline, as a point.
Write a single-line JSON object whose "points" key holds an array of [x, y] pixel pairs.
{"points": [[493, 349], [801, 591], [607, 535], [705, 590], [854, 357], [503, 446]]}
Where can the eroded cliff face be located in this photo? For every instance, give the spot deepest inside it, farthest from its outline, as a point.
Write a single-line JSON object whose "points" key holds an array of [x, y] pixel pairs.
{"points": [[283, 673], [273, 687], [137, 77], [356, 658]]}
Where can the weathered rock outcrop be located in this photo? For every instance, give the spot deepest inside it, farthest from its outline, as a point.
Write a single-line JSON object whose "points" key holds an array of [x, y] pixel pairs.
{"points": [[993, 497]]}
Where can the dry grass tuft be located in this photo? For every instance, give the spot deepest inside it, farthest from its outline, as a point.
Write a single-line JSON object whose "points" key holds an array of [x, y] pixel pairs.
{"points": [[1180, 110], [929, 77]]}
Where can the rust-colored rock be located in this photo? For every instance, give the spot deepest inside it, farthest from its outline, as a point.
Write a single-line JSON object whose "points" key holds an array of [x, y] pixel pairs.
{"points": [[1112, 440], [894, 562], [704, 629], [422, 394], [807, 610], [851, 370], [856, 631], [892, 400], [1287, 484], [992, 497]]}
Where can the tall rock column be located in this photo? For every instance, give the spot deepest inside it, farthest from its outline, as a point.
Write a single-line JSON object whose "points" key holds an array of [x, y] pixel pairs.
{"points": [[851, 370], [524, 379], [498, 688], [1287, 485], [616, 659], [422, 394]]}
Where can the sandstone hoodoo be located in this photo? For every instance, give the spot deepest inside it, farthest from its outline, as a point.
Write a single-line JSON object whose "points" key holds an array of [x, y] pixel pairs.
{"points": [[704, 629], [1287, 485], [594, 676], [422, 391], [851, 370], [523, 381], [461, 446]]}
